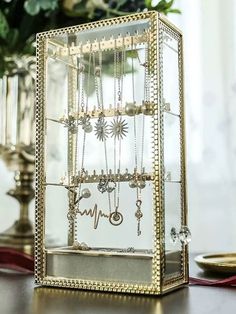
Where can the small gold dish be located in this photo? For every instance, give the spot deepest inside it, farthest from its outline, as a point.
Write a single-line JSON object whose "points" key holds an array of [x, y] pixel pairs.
{"points": [[220, 262]]}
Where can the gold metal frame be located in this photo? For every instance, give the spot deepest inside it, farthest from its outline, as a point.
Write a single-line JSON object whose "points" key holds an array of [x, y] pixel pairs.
{"points": [[159, 285]]}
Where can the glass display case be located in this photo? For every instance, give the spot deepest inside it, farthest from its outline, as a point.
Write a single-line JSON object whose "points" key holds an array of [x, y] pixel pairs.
{"points": [[110, 157]]}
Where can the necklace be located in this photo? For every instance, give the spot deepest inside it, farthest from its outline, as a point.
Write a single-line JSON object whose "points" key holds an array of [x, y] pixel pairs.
{"points": [[77, 194], [138, 181], [101, 129], [118, 130]]}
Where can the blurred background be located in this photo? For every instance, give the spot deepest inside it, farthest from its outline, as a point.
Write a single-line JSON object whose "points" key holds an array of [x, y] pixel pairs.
{"points": [[209, 29]]}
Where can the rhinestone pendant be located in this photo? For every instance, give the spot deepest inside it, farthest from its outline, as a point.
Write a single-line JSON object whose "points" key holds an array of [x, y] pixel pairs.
{"points": [[101, 129], [118, 128], [111, 185], [184, 235], [102, 185]]}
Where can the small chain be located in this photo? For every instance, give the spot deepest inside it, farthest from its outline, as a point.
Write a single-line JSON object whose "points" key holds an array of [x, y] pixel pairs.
{"points": [[118, 78], [146, 100], [99, 91], [84, 141], [135, 127]]}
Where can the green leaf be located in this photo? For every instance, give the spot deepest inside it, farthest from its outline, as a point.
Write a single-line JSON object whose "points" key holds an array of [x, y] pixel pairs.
{"points": [[177, 11], [32, 7], [12, 37], [148, 4], [4, 27], [163, 5], [120, 3], [48, 4]]}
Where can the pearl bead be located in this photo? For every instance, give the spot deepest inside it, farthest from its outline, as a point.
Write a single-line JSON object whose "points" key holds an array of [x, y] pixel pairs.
{"points": [[130, 109], [85, 193]]}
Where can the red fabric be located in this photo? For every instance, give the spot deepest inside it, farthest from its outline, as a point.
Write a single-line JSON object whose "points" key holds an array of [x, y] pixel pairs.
{"points": [[15, 260], [230, 281]]}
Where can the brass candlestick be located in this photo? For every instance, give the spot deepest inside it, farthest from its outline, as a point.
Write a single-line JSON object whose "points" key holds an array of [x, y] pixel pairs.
{"points": [[21, 234], [17, 138]]}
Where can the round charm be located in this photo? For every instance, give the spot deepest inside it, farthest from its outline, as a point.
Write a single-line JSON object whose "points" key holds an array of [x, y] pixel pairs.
{"points": [[132, 184], [85, 193], [130, 109], [141, 184], [116, 218]]}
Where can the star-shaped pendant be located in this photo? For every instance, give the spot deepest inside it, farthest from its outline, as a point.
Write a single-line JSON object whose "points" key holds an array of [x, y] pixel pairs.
{"points": [[118, 128]]}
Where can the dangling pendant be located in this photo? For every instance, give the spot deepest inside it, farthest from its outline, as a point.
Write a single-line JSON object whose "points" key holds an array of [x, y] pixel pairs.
{"points": [[101, 129], [102, 185], [116, 218], [85, 123], [111, 185], [138, 215], [132, 184], [105, 185], [118, 128], [141, 184]]}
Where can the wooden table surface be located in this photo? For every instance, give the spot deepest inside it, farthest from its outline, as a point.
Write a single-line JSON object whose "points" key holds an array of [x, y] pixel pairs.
{"points": [[18, 295]]}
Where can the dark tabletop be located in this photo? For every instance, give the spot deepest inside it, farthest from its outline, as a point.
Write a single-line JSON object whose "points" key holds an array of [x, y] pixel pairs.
{"points": [[18, 295]]}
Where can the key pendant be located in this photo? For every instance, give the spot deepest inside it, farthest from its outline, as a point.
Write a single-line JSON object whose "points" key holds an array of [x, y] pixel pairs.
{"points": [[138, 229], [138, 215]]}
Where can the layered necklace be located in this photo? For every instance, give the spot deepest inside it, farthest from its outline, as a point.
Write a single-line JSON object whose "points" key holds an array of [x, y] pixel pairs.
{"points": [[138, 180], [118, 129]]}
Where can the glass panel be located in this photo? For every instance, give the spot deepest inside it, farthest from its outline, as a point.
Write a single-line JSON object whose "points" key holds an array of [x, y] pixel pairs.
{"points": [[172, 160], [98, 136]]}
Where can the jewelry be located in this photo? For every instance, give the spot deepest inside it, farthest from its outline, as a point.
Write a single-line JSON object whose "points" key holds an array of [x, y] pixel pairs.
{"points": [[93, 213], [118, 128], [70, 123], [81, 246], [130, 109], [101, 129], [106, 185], [84, 121], [137, 181], [138, 215], [116, 218], [101, 126]]}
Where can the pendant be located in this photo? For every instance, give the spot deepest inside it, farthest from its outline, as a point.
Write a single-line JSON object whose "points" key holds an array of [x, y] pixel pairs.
{"points": [[102, 185], [116, 218], [138, 215], [101, 129], [118, 128]]}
